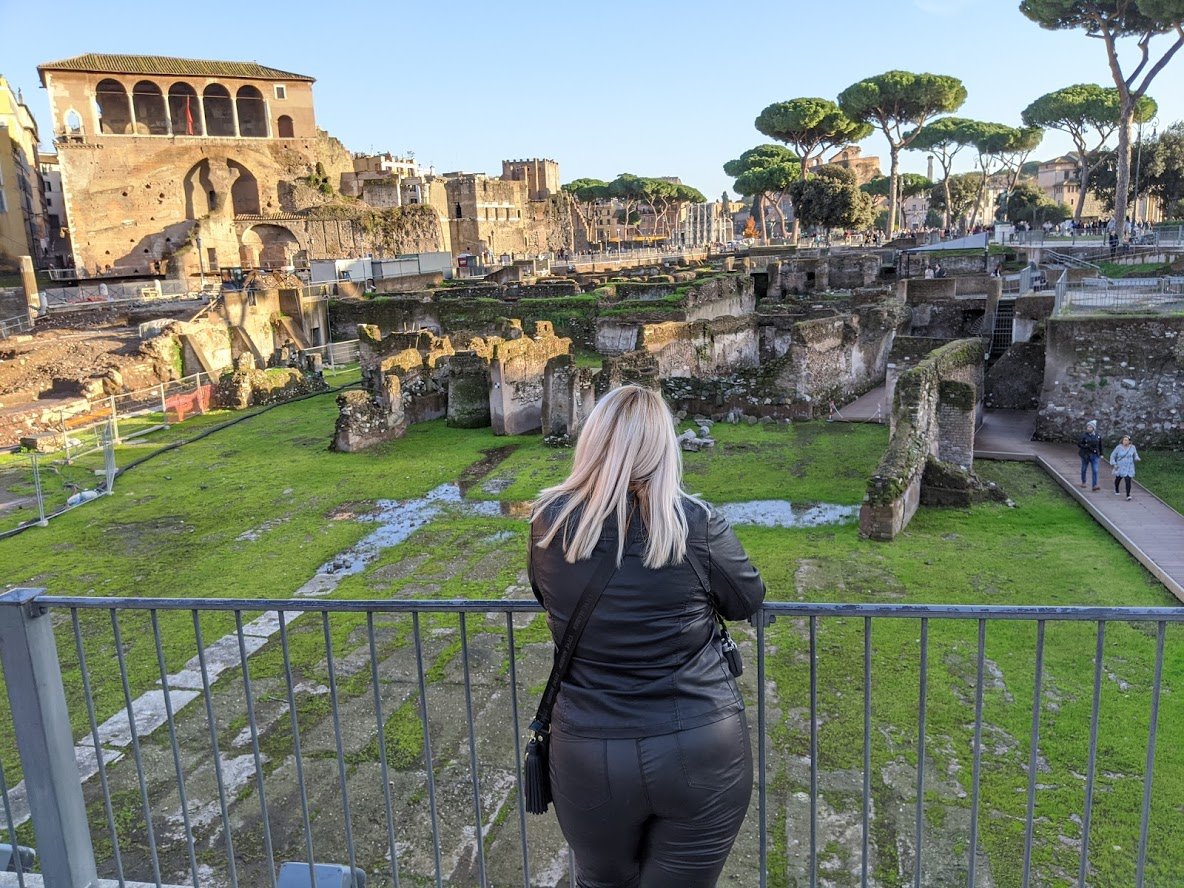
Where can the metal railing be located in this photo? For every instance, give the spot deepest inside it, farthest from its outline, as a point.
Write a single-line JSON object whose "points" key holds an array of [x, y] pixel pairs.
{"points": [[59, 298], [336, 355], [388, 734], [1106, 295], [12, 326]]}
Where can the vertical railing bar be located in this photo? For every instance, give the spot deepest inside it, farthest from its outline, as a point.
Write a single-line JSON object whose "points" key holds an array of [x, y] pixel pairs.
{"points": [[867, 748], [571, 866], [813, 752], [924, 686], [1083, 866], [427, 747], [94, 733], [336, 711], [150, 833], [384, 769], [169, 718], [762, 792], [212, 722], [16, 848], [514, 724], [480, 835], [978, 753], [306, 821], [1149, 767], [1033, 753], [265, 820]]}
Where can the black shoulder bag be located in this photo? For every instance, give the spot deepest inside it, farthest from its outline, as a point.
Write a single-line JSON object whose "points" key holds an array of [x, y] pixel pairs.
{"points": [[536, 778], [730, 651]]}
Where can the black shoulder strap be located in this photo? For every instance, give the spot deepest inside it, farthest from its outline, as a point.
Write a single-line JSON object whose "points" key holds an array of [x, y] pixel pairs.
{"points": [[571, 637], [696, 564]]}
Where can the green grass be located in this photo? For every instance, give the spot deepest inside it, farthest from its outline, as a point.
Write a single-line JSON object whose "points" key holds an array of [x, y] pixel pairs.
{"points": [[814, 461], [1138, 269], [1162, 472]]}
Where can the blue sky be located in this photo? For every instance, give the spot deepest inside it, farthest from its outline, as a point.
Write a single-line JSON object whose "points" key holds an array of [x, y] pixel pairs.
{"points": [[655, 88]]}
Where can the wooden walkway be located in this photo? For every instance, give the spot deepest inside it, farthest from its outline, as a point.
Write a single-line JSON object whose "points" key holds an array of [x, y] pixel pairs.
{"points": [[1147, 527]]}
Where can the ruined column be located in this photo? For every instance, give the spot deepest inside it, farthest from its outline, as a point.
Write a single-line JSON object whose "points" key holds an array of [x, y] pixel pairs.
{"points": [[32, 294], [468, 391]]}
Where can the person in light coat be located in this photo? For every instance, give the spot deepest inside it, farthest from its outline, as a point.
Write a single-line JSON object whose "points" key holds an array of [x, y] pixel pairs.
{"points": [[1123, 460]]}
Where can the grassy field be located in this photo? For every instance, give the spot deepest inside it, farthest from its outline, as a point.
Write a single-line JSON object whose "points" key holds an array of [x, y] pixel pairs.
{"points": [[253, 510], [1162, 472]]}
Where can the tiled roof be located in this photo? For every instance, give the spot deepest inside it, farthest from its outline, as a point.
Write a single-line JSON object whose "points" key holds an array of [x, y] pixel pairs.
{"points": [[102, 63]]}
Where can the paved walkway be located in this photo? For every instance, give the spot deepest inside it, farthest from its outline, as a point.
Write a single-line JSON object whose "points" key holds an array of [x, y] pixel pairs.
{"points": [[872, 407], [1147, 527]]}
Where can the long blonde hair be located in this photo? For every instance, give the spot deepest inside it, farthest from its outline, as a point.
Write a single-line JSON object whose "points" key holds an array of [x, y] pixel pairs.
{"points": [[628, 445]]}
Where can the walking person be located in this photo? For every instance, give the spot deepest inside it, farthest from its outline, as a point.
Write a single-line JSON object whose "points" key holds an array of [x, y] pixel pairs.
{"points": [[1089, 448], [1123, 460], [650, 759]]}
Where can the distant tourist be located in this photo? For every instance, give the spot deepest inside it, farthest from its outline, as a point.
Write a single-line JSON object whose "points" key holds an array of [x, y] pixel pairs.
{"points": [[928, 273], [939, 271], [1123, 460], [1089, 448]]}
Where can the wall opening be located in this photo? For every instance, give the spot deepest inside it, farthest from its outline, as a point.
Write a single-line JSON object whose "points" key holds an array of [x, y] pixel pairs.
{"points": [[185, 110], [252, 113], [115, 110], [244, 193], [148, 102], [219, 110], [285, 128], [73, 122]]}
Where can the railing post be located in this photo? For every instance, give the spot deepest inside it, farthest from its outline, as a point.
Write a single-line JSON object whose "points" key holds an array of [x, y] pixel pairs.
{"points": [[45, 740], [164, 407]]}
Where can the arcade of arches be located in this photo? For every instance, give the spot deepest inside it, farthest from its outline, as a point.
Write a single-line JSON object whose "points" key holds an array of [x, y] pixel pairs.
{"points": [[185, 112]]}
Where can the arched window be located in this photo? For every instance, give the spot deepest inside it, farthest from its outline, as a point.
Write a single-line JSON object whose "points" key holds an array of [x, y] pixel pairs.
{"points": [[285, 128], [184, 110], [115, 111], [219, 110], [252, 113], [148, 102], [73, 122]]}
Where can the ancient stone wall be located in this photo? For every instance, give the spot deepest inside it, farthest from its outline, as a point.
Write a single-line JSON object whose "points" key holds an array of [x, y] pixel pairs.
{"points": [[1125, 372], [701, 348], [938, 311], [468, 390], [252, 388], [569, 394], [1015, 378], [933, 418], [516, 379], [1031, 311]]}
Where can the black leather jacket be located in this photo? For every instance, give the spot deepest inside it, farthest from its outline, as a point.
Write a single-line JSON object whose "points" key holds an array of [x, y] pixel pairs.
{"points": [[649, 661]]}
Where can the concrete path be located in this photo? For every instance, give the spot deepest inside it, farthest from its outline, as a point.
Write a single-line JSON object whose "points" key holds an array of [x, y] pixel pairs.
{"points": [[871, 407], [1147, 527]]}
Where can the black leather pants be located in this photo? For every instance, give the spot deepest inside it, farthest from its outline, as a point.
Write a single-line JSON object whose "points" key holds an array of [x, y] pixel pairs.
{"points": [[655, 812]]}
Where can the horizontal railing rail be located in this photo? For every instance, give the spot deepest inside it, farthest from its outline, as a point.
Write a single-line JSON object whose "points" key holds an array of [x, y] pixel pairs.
{"points": [[388, 734]]}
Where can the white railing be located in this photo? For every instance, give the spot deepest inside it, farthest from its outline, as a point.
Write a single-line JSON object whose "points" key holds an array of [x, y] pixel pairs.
{"points": [[11, 326]]}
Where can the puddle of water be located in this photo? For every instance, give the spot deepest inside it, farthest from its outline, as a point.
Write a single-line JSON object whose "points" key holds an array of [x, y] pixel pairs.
{"points": [[398, 519], [782, 513]]}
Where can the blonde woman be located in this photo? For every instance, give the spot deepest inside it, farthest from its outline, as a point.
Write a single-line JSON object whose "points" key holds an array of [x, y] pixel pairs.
{"points": [[650, 760], [1122, 460]]}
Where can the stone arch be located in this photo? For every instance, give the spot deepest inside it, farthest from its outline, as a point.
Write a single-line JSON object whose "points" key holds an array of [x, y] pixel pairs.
{"points": [[252, 113], [148, 105], [219, 110], [115, 109], [200, 197], [185, 110], [73, 122], [244, 193], [270, 246], [284, 127]]}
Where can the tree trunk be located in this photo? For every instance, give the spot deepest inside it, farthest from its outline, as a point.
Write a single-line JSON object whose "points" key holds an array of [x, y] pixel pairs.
{"points": [[776, 205], [758, 204], [893, 185], [945, 185], [1083, 173], [1123, 184]]}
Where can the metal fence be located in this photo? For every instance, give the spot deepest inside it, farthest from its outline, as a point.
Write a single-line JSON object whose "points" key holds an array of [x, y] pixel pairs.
{"points": [[1116, 296], [12, 326], [389, 735], [120, 291]]}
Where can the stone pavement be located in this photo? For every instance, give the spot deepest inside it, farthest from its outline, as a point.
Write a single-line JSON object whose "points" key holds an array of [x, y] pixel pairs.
{"points": [[1148, 528], [871, 407]]}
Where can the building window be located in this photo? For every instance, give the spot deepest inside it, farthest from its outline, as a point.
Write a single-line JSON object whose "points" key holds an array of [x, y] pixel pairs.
{"points": [[285, 127], [184, 110], [148, 103], [115, 114], [3, 203], [48, 185], [252, 113], [219, 110], [281, 91]]}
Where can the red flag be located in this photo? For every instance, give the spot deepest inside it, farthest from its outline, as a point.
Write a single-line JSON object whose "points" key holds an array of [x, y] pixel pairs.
{"points": [[188, 118]]}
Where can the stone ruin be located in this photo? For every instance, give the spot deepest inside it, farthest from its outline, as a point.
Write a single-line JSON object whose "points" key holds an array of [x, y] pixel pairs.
{"points": [[937, 404], [416, 376]]}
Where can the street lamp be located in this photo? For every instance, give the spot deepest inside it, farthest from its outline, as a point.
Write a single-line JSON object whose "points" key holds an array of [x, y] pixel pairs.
{"points": [[1139, 165]]}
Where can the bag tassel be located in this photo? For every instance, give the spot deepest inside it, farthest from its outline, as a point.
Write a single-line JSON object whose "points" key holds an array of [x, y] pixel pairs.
{"points": [[536, 775]]}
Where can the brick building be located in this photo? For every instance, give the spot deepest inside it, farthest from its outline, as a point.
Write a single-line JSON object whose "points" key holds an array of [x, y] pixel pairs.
{"points": [[173, 166]]}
